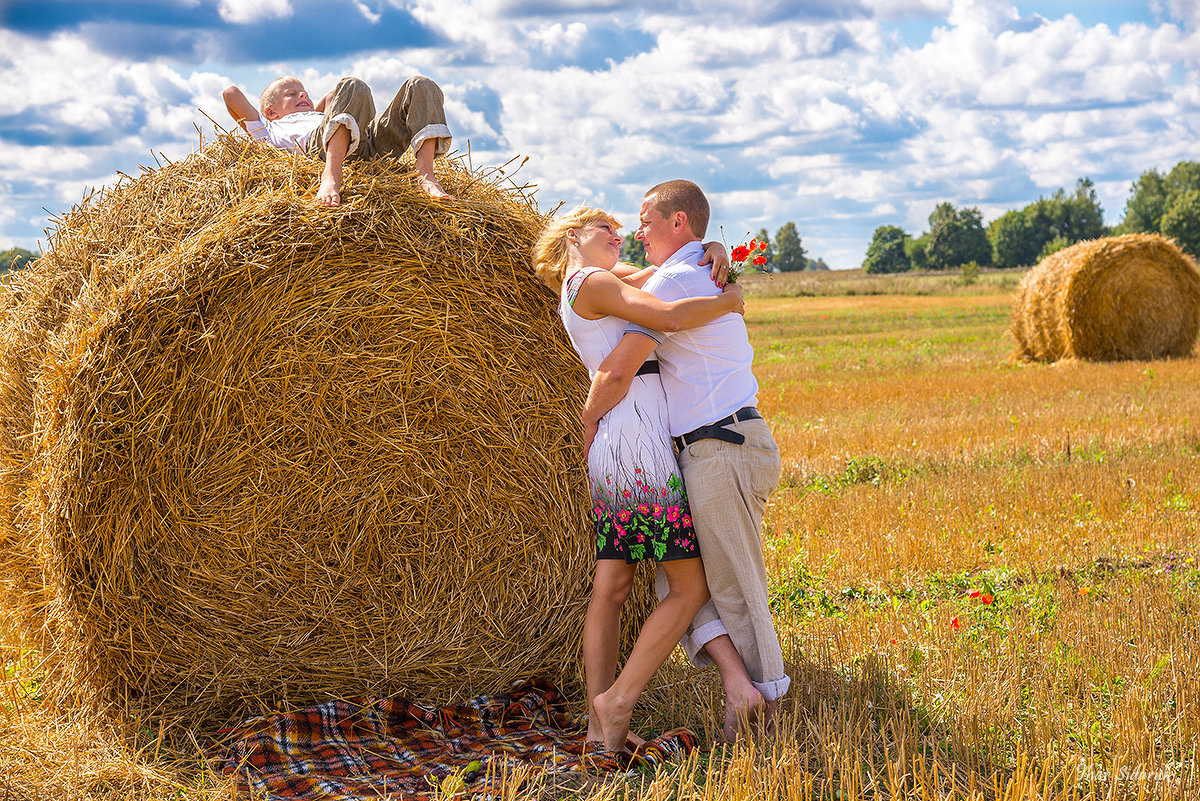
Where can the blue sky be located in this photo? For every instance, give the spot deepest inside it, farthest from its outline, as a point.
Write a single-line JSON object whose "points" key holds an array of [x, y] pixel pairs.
{"points": [[839, 117]]}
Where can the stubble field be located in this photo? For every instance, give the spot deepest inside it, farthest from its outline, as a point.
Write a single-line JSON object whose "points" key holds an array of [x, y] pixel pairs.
{"points": [[984, 575]]}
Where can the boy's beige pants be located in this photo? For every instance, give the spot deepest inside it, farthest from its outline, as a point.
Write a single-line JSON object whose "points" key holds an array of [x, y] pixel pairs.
{"points": [[727, 488], [416, 113]]}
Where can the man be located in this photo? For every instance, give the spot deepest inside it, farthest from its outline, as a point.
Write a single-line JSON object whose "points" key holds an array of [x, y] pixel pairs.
{"points": [[729, 461]]}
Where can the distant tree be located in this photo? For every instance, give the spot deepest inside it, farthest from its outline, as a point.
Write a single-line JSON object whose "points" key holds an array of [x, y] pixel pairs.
{"points": [[1152, 194], [15, 259], [1019, 238], [1079, 216], [633, 252], [1053, 246], [1182, 221], [1183, 177], [886, 252], [915, 249], [956, 237], [763, 236], [1146, 205], [818, 265], [789, 252], [1014, 243]]}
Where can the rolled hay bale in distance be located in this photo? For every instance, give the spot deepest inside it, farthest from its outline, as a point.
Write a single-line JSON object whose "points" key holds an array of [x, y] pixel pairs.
{"points": [[308, 452], [1135, 296]]}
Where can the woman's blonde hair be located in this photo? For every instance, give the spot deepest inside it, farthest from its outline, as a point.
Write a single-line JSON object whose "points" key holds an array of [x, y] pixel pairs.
{"points": [[550, 251]]}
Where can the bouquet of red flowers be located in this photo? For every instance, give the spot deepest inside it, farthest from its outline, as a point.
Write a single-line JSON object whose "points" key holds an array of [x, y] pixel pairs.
{"points": [[746, 257]]}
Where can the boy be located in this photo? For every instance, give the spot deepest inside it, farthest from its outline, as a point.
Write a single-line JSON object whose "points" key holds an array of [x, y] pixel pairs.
{"points": [[344, 124]]}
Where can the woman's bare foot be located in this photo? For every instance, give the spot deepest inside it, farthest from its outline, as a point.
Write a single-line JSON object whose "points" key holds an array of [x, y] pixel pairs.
{"points": [[329, 192], [595, 734], [744, 707], [613, 713], [430, 186]]}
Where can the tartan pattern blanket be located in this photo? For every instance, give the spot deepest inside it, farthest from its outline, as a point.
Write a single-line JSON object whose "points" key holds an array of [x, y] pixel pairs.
{"points": [[355, 749]]}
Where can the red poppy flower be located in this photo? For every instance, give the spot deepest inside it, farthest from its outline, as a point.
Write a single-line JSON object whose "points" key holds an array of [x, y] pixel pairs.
{"points": [[762, 245], [740, 253], [954, 624], [753, 244], [974, 593], [892, 641], [760, 261], [987, 599]]}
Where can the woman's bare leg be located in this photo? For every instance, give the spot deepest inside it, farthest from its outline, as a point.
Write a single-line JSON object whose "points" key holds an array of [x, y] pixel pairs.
{"points": [[659, 636], [601, 629]]}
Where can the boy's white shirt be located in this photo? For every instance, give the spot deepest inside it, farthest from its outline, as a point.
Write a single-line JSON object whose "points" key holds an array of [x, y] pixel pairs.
{"points": [[293, 131]]}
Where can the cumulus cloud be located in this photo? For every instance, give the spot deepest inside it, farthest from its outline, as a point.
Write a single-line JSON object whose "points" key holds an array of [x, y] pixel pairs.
{"points": [[241, 12], [817, 113]]}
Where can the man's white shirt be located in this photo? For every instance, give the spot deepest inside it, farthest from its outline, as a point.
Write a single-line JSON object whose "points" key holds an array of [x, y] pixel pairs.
{"points": [[706, 371]]}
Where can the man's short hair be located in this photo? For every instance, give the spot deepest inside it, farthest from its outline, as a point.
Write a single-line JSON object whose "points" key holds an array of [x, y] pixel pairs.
{"points": [[685, 196]]}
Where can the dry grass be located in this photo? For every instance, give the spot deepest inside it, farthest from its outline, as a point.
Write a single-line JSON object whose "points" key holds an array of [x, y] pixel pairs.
{"points": [[919, 465]]}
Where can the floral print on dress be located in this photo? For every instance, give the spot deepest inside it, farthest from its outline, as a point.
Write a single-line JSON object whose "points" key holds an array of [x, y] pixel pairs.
{"points": [[642, 520]]}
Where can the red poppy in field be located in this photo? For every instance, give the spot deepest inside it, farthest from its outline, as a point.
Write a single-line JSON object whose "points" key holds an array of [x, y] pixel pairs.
{"points": [[740, 253], [987, 599], [954, 624], [974, 593], [892, 641]]}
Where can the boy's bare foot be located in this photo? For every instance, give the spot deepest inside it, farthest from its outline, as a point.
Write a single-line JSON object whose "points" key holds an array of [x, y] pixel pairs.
{"points": [[329, 192], [613, 713], [744, 707], [430, 186]]}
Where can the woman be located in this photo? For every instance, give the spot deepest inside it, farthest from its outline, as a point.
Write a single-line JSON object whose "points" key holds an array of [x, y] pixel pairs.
{"points": [[638, 500]]}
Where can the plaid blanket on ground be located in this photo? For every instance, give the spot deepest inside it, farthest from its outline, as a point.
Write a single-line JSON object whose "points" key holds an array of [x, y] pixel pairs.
{"points": [[391, 747]]}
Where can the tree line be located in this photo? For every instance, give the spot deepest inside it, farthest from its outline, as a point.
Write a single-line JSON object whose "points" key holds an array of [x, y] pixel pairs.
{"points": [[1166, 204], [784, 254]]}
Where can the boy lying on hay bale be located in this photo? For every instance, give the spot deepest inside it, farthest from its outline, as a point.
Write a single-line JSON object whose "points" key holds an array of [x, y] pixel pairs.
{"points": [[277, 456], [1126, 297], [343, 124]]}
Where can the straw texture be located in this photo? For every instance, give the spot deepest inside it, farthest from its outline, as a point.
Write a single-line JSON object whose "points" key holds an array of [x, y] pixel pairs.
{"points": [[1135, 296], [273, 453]]}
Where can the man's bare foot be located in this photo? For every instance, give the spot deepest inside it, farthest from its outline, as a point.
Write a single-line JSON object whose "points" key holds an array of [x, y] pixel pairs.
{"points": [[329, 192], [744, 708], [430, 186], [613, 713]]}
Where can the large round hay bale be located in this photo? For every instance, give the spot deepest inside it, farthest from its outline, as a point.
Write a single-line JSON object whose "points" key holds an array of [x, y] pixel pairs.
{"points": [[298, 452], [96, 245], [1135, 296]]}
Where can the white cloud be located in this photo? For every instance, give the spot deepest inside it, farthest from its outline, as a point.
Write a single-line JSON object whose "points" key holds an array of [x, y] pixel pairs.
{"points": [[835, 125], [371, 15], [558, 38], [1186, 11], [241, 12]]}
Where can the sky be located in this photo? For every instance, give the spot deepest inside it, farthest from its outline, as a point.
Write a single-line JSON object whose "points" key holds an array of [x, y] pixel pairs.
{"points": [[837, 116]]}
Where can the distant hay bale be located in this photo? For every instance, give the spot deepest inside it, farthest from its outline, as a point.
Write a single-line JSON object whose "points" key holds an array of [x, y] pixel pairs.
{"points": [[276, 453], [1135, 296]]}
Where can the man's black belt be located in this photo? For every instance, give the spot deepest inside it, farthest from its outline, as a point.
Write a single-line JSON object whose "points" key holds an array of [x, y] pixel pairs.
{"points": [[718, 430], [648, 367]]}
